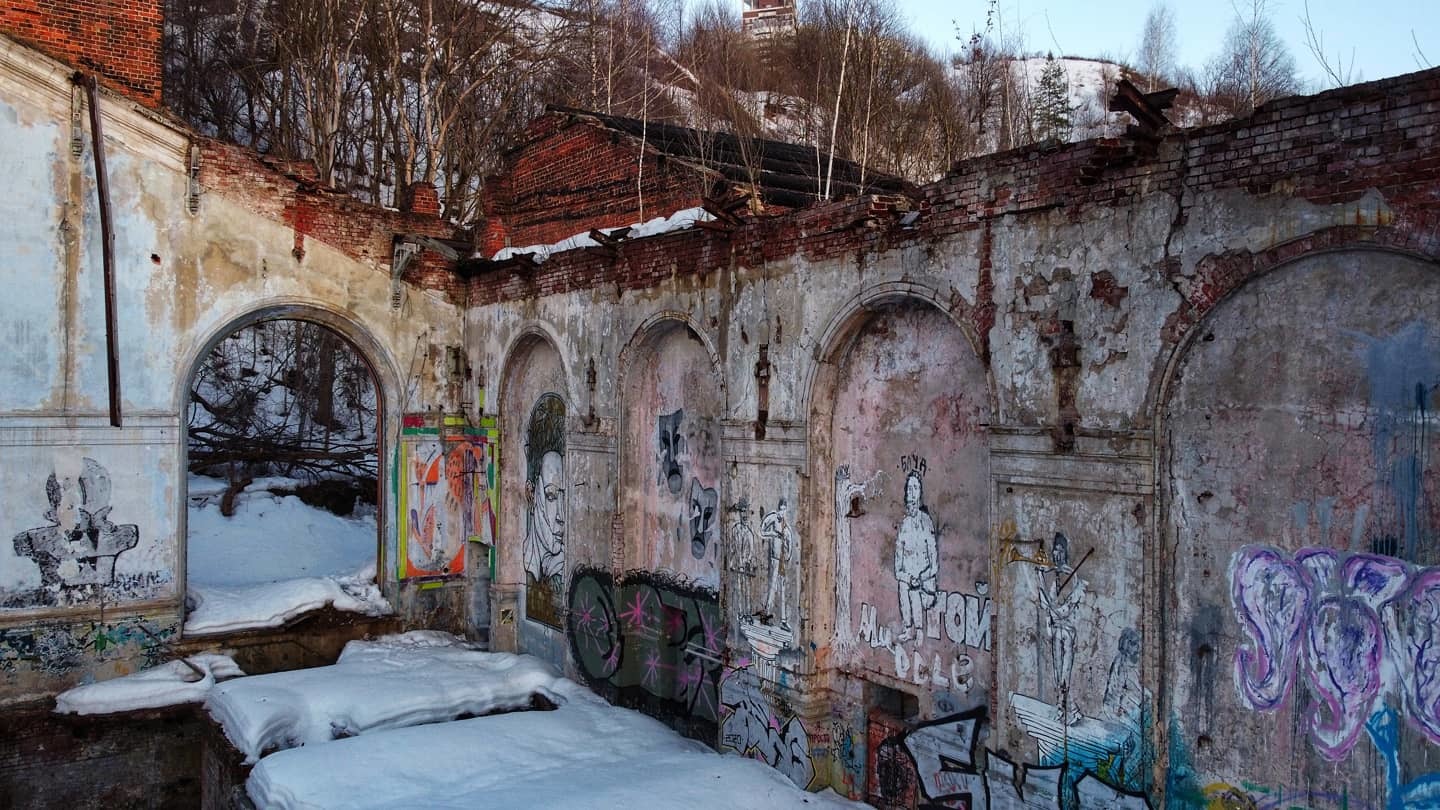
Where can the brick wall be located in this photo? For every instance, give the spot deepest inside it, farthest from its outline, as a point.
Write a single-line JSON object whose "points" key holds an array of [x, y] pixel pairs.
{"points": [[571, 176], [119, 39], [1327, 148], [287, 193]]}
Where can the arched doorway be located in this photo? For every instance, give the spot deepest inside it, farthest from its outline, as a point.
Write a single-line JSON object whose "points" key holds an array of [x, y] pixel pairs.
{"points": [[283, 423]]}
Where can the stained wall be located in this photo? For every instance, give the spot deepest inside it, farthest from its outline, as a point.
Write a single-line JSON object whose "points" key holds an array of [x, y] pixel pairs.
{"points": [[92, 515]]}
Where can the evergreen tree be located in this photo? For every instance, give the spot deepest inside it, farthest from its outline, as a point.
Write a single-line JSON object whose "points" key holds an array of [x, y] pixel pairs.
{"points": [[1052, 111]]}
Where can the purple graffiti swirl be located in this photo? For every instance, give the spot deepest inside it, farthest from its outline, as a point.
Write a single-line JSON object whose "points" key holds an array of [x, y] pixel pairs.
{"points": [[1271, 598], [1418, 623], [1345, 645]]}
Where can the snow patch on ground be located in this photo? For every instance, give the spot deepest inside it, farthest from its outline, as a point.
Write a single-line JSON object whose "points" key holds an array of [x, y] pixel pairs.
{"points": [[585, 754], [270, 537], [404, 680], [218, 609], [678, 221], [169, 684]]}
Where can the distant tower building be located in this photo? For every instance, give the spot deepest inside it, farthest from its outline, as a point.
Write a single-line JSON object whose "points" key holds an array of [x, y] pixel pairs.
{"points": [[763, 19]]}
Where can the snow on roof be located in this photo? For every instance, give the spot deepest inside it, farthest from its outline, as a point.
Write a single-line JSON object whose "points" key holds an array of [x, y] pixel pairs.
{"points": [[404, 680], [169, 684], [678, 221], [220, 609], [585, 754]]}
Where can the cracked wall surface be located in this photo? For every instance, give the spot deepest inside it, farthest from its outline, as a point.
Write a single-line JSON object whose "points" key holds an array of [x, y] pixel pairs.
{"points": [[1106, 480]]}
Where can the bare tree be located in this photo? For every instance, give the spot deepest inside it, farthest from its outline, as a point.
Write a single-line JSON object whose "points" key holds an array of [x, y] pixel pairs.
{"points": [[1156, 56], [1337, 71], [1254, 65]]}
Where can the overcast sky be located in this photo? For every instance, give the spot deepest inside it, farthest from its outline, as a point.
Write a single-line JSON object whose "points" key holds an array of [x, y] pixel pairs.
{"points": [[1379, 35]]}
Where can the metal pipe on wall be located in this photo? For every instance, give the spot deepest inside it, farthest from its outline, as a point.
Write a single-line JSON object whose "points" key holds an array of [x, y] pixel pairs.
{"points": [[107, 245]]}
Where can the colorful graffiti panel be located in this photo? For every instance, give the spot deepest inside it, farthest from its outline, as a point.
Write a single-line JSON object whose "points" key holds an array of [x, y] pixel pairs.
{"points": [[445, 494], [1306, 521]]}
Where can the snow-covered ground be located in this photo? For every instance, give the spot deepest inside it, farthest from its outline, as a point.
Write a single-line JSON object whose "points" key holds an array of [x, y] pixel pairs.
{"points": [[219, 609], [274, 559], [405, 680], [585, 753], [271, 537], [169, 684]]}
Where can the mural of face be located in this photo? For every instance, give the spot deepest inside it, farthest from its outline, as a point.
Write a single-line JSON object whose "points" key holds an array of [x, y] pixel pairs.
{"points": [[670, 446], [704, 504], [547, 508]]}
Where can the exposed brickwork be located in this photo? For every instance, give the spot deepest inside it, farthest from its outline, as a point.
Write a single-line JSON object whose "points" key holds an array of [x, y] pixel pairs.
{"points": [[1326, 149], [127, 760], [118, 39], [286, 193], [571, 176]]}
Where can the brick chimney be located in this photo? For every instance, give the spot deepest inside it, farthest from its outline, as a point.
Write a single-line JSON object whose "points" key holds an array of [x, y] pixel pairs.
{"points": [[419, 198], [118, 39]]}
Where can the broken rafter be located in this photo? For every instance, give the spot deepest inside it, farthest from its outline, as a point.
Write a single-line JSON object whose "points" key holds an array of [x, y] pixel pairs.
{"points": [[1148, 109]]}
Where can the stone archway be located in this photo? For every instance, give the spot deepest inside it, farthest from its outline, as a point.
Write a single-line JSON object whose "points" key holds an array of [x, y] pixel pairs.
{"points": [[1301, 517]]}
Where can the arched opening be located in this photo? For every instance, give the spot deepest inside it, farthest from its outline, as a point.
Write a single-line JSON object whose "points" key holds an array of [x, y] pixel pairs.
{"points": [[283, 423], [659, 623], [1301, 517], [900, 458], [535, 467]]}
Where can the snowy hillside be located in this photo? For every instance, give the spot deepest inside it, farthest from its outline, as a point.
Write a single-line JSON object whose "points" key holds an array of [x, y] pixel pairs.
{"points": [[1091, 83]]}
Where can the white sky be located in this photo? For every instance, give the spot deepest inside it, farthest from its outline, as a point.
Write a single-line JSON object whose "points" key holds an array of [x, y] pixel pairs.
{"points": [[1380, 35]]}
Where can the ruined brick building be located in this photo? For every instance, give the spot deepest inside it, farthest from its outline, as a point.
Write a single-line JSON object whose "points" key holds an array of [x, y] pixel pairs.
{"points": [[1101, 474]]}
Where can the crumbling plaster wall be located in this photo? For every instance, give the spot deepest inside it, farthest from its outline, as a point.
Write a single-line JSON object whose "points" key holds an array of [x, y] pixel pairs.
{"points": [[1078, 302], [183, 281]]}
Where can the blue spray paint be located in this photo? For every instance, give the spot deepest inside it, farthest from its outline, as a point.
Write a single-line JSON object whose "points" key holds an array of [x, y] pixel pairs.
{"points": [[1404, 374]]}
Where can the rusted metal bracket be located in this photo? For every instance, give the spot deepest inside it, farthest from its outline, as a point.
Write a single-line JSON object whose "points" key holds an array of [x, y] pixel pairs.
{"points": [[107, 242]]}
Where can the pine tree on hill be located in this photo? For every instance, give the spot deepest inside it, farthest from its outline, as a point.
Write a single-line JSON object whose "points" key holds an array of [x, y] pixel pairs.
{"points": [[1052, 117]]}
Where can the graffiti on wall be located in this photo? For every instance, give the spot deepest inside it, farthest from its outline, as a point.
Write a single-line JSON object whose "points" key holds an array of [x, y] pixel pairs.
{"points": [[1359, 632], [651, 643], [680, 520], [768, 565], [939, 763], [77, 550], [58, 648], [740, 558], [758, 727], [917, 557], [923, 611], [926, 612], [546, 486], [1086, 731], [446, 494]]}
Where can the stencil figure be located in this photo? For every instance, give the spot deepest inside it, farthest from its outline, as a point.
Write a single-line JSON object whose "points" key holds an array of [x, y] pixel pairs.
{"points": [[1122, 688], [916, 559], [1061, 607], [740, 557], [780, 542], [80, 545], [740, 541], [669, 448]]}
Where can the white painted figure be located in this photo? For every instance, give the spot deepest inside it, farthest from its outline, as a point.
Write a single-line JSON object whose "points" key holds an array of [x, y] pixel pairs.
{"points": [[916, 560], [780, 541], [1060, 596]]}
